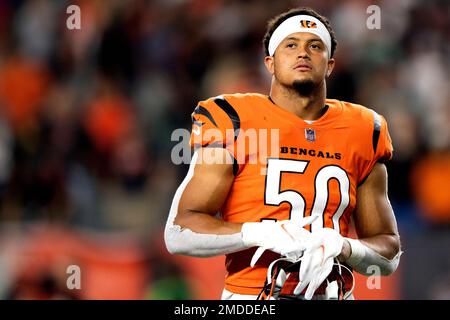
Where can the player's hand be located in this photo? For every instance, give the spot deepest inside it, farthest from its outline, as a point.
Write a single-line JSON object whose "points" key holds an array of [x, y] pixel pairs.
{"points": [[286, 237], [318, 259]]}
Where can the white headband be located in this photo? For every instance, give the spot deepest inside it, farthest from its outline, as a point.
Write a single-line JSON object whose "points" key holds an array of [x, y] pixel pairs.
{"points": [[300, 23]]}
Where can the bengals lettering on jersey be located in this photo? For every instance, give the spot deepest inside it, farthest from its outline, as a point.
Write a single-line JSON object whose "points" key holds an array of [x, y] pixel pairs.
{"points": [[315, 168]]}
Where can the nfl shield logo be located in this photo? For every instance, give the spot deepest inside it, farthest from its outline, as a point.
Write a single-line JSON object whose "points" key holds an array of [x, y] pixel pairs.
{"points": [[310, 135]]}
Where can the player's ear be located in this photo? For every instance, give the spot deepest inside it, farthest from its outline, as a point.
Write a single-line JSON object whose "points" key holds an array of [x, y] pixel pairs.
{"points": [[268, 61], [330, 66]]}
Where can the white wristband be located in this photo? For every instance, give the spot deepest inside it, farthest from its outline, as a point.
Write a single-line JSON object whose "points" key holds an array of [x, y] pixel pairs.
{"points": [[358, 252]]}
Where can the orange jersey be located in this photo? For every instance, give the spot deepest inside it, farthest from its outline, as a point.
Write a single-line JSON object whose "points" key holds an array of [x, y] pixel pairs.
{"points": [[296, 169]]}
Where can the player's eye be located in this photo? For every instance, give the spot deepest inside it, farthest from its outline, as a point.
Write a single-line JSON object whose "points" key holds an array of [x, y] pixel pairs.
{"points": [[315, 46], [291, 45]]}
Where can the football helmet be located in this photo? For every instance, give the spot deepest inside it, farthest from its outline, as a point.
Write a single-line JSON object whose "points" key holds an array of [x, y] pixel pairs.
{"points": [[283, 275]]}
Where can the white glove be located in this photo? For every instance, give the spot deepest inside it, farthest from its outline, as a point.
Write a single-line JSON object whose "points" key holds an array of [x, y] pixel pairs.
{"points": [[286, 237], [318, 259]]}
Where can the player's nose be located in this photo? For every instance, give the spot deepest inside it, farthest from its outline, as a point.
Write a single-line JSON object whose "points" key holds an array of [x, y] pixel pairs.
{"points": [[302, 52]]}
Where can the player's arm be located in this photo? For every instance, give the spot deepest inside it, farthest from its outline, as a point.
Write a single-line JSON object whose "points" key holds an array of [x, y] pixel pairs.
{"points": [[205, 193], [193, 229], [378, 238]]}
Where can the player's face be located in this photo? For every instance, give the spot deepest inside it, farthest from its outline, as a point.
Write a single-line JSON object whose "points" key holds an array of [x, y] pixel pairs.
{"points": [[300, 57]]}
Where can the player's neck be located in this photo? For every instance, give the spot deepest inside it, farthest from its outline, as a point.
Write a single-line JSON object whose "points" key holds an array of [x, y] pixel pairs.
{"points": [[309, 107]]}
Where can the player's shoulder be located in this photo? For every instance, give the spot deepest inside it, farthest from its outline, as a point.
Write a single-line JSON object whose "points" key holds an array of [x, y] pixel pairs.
{"points": [[228, 110], [239, 107], [357, 114], [236, 100]]}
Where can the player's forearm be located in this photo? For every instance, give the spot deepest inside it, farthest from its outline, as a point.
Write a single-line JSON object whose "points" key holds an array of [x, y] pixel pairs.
{"points": [[381, 250], [205, 223], [201, 235]]}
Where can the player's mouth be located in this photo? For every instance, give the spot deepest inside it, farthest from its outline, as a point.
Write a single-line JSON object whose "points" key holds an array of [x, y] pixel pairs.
{"points": [[302, 67]]}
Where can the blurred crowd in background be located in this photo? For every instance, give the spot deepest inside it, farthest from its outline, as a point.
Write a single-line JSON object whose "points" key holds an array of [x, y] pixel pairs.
{"points": [[86, 118]]}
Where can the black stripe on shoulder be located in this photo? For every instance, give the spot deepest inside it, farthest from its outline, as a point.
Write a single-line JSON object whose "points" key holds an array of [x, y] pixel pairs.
{"points": [[232, 114], [376, 130], [205, 112]]}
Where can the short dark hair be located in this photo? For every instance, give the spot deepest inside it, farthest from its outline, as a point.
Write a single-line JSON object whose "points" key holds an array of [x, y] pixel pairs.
{"points": [[276, 21]]}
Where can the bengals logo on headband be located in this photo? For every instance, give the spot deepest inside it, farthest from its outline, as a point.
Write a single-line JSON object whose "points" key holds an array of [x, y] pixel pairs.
{"points": [[308, 24]]}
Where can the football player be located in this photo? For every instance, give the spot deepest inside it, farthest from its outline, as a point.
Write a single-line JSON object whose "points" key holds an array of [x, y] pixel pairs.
{"points": [[254, 205]]}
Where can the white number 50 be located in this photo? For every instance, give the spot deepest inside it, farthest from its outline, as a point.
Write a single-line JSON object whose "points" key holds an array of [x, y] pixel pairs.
{"points": [[273, 196]]}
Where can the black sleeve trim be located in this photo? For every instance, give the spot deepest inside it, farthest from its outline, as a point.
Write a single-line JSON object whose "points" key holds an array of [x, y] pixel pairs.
{"points": [[231, 113], [235, 167], [219, 145], [198, 123], [210, 145], [205, 112], [363, 180], [376, 131]]}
